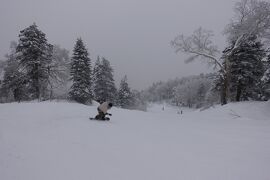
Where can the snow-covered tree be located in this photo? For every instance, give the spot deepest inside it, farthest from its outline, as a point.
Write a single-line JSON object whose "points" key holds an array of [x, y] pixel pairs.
{"points": [[192, 92], [201, 93], [34, 56], [104, 86], [109, 80], [246, 70], [200, 45], [212, 96], [266, 79], [188, 91], [98, 81], [124, 97], [161, 91], [138, 102], [59, 71], [80, 72], [252, 18], [14, 81]]}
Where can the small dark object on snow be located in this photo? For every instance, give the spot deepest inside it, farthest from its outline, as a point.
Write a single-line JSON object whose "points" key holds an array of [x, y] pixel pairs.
{"points": [[105, 119]]}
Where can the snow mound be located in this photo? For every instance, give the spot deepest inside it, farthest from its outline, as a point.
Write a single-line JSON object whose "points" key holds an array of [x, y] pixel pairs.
{"points": [[251, 110]]}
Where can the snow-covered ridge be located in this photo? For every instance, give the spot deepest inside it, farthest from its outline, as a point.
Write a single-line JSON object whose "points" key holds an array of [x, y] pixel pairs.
{"points": [[256, 110], [252, 110]]}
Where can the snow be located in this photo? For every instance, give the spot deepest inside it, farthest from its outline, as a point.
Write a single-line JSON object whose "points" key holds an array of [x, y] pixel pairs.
{"points": [[57, 141]]}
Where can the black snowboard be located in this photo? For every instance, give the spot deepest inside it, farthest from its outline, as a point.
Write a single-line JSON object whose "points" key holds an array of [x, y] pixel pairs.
{"points": [[106, 119]]}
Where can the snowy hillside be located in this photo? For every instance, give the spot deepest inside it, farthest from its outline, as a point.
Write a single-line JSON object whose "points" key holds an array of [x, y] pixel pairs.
{"points": [[57, 141]]}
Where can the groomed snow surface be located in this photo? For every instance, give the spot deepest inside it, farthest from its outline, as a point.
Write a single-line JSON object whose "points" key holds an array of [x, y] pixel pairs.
{"points": [[57, 141]]}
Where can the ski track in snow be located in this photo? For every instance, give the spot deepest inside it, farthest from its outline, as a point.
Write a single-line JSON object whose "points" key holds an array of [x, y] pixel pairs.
{"points": [[56, 140]]}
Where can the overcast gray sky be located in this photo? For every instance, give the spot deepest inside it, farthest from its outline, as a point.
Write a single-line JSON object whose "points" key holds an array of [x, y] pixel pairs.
{"points": [[133, 34]]}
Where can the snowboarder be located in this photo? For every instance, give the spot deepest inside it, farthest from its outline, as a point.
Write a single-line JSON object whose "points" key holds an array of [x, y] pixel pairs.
{"points": [[102, 111]]}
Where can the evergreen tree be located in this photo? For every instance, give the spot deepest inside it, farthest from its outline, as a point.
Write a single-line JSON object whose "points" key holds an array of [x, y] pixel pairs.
{"points": [[34, 55], [201, 92], [96, 71], [266, 85], [104, 86], [97, 77], [266, 79], [80, 74], [246, 69], [124, 94], [59, 72], [138, 101], [13, 84]]}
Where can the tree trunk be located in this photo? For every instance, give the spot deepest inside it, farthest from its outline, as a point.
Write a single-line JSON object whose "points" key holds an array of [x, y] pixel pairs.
{"points": [[238, 92], [225, 84], [37, 83], [36, 86], [224, 90]]}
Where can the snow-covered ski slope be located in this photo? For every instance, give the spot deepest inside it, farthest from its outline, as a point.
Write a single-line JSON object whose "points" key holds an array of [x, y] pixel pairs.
{"points": [[57, 141]]}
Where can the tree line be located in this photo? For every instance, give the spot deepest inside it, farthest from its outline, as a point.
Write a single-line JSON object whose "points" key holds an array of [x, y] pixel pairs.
{"points": [[38, 70], [192, 91], [35, 69]]}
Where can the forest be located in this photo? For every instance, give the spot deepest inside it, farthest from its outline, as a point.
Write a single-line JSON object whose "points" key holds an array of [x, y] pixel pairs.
{"points": [[34, 69]]}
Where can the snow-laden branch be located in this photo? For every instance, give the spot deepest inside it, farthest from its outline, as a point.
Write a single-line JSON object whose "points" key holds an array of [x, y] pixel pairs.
{"points": [[252, 18], [199, 44], [216, 61]]}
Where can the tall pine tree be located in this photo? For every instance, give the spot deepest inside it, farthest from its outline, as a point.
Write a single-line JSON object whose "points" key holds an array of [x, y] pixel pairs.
{"points": [[13, 87], [266, 79], [34, 55], [246, 69], [104, 86], [81, 74], [97, 85], [124, 99], [59, 73]]}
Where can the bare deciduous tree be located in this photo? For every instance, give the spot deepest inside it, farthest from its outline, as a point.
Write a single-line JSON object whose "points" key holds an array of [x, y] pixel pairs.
{"points": [[199, 44]]}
